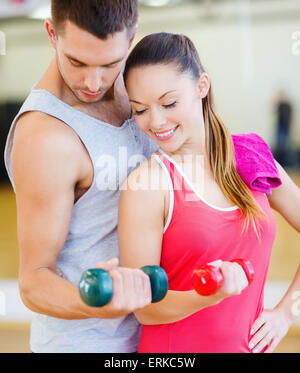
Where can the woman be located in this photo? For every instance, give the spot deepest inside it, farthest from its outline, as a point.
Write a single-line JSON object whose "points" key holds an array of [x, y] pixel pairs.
{"points": [[171, 218]]}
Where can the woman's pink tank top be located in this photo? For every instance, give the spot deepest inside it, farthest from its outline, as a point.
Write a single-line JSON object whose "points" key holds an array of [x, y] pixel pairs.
{"points": [[197, 233]]}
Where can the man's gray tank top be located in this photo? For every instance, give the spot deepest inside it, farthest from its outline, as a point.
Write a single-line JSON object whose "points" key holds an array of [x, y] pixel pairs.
{"points": [[92, 235]]}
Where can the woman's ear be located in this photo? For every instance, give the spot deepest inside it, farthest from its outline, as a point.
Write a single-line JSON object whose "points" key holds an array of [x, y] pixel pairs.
{"points": [[203, 85]]}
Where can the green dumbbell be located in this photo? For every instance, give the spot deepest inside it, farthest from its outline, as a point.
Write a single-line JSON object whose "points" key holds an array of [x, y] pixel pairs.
{"points": [[96, 286]]}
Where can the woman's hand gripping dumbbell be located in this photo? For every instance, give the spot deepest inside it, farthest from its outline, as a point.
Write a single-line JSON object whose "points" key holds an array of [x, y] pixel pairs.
{"points": [[209, 279], [96, 285]]}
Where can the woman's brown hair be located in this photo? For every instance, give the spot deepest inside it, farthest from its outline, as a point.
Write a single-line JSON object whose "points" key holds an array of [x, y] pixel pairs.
{"points": [[167, 48]]}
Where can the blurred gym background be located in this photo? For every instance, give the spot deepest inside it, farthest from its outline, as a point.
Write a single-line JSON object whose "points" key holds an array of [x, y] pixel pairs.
{"points": [[250, 49]]}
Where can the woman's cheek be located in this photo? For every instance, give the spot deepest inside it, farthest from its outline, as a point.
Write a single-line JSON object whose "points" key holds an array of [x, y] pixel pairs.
{"points": [[141, 123]]}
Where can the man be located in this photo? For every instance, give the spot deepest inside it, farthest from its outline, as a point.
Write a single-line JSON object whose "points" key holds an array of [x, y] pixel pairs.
{"points": [[70, 132], [283, 128]]}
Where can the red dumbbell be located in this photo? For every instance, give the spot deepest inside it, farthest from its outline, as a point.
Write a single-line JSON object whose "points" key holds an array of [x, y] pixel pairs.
{"points": [[208, 279]]}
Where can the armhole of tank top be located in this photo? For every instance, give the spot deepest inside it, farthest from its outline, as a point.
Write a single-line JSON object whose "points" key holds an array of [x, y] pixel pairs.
{"points": [[8, 149], [171, 190]]}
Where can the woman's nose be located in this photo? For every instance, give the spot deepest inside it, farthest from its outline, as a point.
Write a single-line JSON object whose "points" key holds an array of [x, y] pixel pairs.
{"points": [[157, 119]]}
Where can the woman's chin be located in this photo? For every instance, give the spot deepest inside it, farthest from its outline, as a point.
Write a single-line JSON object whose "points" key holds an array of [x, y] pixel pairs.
{"points": [[168, 148]]}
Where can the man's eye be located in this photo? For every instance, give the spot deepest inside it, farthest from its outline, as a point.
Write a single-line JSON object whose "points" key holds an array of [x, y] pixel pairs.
{"points": [[75, 64], [170, 105], [139, 112]]}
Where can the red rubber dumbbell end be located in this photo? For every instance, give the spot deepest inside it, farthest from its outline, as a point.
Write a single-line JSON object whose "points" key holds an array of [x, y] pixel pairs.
{"points": [[207, 279], [247, 267]]}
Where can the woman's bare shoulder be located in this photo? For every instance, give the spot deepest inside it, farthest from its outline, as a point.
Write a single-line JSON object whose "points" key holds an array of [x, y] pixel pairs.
{"points": [[149, 176]]}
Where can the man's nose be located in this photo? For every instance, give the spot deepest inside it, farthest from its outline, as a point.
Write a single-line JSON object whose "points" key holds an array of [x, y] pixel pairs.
{"points": [[93, 80]]}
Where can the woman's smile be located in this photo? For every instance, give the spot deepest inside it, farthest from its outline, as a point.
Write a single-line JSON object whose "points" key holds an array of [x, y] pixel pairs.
{"points": [[165, 135]]}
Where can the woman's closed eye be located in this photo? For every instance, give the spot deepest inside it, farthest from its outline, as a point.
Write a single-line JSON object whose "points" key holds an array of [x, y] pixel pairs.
{"points": [[170, 105], [139, 112]]}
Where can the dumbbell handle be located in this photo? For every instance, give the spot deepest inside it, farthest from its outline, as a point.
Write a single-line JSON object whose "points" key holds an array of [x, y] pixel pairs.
{"points": [[208, 279], [96, 285]]}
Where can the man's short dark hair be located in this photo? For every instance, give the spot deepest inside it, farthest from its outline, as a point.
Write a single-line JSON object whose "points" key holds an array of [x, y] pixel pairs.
{"points": [[99, 17]]}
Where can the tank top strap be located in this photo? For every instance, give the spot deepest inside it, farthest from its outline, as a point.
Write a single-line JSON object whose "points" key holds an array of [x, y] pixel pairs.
{"points": [[182, 190], [180, 193], [175, 179]]}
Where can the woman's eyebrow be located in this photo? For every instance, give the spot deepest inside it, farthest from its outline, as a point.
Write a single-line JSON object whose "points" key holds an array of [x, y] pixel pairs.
{"points": [[166, 94], [162, 96], [137, 102]]}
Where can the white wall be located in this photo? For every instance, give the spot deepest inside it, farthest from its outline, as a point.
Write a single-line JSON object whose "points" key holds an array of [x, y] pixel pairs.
{"points": [[27, 56], [248, 59]]}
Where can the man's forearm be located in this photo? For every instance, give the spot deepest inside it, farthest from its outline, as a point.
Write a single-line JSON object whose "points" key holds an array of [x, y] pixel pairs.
{"points": [[47, 293]]}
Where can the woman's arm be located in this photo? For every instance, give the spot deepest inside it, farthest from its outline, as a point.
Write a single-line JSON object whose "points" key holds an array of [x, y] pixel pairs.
{"points": [[140, 229], [272, 325], [286, 199], [141, 223]]}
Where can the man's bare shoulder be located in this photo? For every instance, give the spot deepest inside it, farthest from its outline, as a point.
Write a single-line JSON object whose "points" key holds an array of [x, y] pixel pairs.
{"points": [[39, 125], [44, 142]]}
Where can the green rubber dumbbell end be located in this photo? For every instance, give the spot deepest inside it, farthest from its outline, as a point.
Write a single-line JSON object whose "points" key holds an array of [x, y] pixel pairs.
{"points": [[95, 287], [158, 280]]}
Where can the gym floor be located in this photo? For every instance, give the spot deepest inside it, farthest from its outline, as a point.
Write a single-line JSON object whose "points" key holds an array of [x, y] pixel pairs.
{"points": [[14, 332]]}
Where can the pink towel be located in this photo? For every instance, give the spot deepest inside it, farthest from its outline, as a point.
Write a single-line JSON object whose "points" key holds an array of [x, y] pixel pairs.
{"points": [[255, 162]]}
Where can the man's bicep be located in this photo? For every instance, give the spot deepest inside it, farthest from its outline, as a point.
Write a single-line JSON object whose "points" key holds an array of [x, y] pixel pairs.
{"points": [[42, 226], [44, 177]]}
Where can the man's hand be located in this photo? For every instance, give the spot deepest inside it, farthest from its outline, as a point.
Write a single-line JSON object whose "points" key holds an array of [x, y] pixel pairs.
{"points": [[131, 288]]}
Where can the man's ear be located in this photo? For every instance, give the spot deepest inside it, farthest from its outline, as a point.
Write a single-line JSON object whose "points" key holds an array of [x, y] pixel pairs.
{"points": [[203, 85], [133, 36], [50, 29]]}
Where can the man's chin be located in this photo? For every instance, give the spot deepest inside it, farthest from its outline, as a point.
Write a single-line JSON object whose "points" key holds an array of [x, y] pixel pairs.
{"points": [[88, 99]]}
